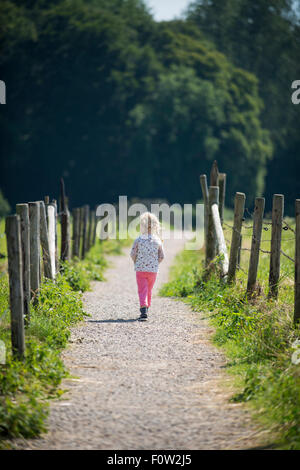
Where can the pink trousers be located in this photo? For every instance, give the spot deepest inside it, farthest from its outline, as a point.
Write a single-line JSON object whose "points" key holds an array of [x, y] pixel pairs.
{"points": [[145, 282]]}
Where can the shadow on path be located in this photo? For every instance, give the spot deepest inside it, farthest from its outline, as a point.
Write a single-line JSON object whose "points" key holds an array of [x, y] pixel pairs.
{"points": [[114, 320]]}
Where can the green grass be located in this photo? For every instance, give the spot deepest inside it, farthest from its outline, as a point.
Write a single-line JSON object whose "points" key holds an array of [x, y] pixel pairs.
{"points": [[257, 335], [27, 385]]}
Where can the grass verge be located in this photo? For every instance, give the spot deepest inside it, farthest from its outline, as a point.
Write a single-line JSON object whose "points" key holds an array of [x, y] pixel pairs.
{"points": [[257, 335], [27, 385]]}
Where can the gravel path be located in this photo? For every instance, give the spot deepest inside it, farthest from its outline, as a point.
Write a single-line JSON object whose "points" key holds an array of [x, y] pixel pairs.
{"points": [[149, 385]]}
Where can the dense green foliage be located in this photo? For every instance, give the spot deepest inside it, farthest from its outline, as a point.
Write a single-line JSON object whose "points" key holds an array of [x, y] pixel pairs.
{"points": [[100, 93], [257, 335], [4, 206], [263, 37]]}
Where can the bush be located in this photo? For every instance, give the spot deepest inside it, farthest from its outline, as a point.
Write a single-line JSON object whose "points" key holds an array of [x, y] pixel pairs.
{"points": [[58, 308]]}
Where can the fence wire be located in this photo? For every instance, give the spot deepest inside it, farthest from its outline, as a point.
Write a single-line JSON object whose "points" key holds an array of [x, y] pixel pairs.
{"points": [[266, 227]]}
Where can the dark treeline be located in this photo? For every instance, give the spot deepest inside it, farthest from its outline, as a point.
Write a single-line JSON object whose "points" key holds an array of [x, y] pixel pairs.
{"points": [[100, 93]]}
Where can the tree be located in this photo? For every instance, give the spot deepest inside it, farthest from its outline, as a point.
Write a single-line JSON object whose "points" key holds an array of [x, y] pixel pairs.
{"points": [[263, 38]]}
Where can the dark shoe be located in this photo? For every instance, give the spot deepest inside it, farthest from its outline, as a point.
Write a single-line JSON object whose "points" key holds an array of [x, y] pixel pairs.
{"points": [[143, 315]]}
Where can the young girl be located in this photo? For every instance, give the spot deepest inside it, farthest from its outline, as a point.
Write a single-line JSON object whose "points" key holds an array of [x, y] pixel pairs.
{"points": [[147, 252]]}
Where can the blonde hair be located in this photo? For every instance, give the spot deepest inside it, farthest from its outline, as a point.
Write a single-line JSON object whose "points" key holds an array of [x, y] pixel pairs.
{"points": [[149, 221]]}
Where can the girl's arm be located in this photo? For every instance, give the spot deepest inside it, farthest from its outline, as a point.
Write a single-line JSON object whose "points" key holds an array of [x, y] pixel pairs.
{"points": [[161, 253], [134, 250]]}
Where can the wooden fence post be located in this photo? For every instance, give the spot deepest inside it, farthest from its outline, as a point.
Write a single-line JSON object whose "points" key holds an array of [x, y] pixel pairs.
{"points": [[51, 238], [239, 207], [222, 186], [95, 226], [34, 218], [63, 204], [240, 252], [89, 235], [81, 230], [92, 222], [213, 198], [255, 245], [203, 182], [65, 236], [23, 212], [84, 230], [47, 202], [297, 264], [65, 224], [214, 174], [15, 270], [54, 204], [277, 217], [220, 241], [87, 216], [76, 233], [45, 242]]}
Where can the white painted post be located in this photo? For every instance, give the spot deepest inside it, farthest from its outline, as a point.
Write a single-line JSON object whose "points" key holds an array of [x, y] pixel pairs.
{"points": [[220, 241]]}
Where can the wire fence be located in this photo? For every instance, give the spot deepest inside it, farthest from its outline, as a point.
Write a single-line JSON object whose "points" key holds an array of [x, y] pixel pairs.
{"points": [[36, 249], [248, 234]]}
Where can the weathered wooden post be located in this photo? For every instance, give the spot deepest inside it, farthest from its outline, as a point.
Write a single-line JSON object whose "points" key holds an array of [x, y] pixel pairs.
{"points": [[54, 204], [222, 186], [76, 233], [203, 182], [89, 235], [240, 252], [47, 202], [277, 217], [255, 245], [92, 224], [81, 229], [87, 216], [95, 226], [213, 198], [65, 236], [15, 271], [51, 238], [45, 242], [63, 202], [214, 174], [34, 218], [23, 212], [239, 207], [297, 264], [84, 230], [65, 224]]}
